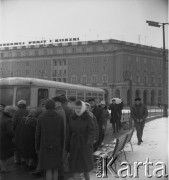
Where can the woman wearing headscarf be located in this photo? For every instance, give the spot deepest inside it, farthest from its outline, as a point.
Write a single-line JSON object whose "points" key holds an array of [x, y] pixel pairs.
{"points": [[82, 135], [49, 141], [6, 135]]}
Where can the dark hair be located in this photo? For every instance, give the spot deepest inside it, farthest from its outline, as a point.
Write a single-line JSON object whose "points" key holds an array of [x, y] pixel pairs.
{"points": [[72, 99], [50, 104], [78, 103]]}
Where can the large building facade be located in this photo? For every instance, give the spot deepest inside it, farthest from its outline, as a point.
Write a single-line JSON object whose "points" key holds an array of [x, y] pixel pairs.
{"points": [[103, 63]]}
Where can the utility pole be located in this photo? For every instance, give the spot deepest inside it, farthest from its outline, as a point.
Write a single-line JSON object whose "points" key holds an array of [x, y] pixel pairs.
{"points": [[164, 64]]}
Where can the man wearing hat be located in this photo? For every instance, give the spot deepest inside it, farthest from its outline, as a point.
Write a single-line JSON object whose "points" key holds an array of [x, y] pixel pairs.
{"points": [[139, 114]]}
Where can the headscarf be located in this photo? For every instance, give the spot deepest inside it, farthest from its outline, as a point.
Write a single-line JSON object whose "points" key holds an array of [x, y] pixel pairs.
{"points": [[83, 109]]}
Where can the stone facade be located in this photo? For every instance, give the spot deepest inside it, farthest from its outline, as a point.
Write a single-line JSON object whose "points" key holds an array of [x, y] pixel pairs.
{"points": [[93, 63]]}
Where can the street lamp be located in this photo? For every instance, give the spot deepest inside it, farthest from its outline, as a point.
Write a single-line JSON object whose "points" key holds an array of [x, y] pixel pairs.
{"points": [[165, 93], [128, 77]]}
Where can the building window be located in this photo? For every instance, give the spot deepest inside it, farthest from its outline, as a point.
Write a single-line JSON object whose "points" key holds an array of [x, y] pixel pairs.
{"points": [[36, 53], [9, 54], [94, 79], [64, 80], [27, 73], [65, 62], [152, 61], [18, 54], [74, 79], [145, 60], [94, 69], [55, 62], [83, 49], [2, 55], [159, 80], [145, 79], [74, 50], [64, 71], [152, 79], [104, 68], [84, 80], [60, 62], [27, 53], [18, 72], [58, 79], [137, 79], [45, 52], [27, 63], [104, 79], [64, 51]]}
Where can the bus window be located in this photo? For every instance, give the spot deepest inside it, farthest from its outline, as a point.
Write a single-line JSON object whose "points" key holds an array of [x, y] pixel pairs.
{"points": [[59, 92], [88, 95], [42, 94], [23, 93], [6, 95], [80, 95], [71, 94]]}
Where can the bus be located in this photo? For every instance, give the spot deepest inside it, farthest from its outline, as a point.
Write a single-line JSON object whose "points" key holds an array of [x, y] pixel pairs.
{"points": [[33, 90]]}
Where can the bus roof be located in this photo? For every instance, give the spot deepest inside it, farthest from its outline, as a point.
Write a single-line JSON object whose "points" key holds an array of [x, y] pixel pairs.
{"points": [[21, 81]]}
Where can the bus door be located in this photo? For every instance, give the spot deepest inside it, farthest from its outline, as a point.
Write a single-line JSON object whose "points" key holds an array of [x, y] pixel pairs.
{"points": [[42, 94]]}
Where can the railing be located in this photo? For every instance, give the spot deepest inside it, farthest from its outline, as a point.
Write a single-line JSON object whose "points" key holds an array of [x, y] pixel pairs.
{"points": [[152, 112]]}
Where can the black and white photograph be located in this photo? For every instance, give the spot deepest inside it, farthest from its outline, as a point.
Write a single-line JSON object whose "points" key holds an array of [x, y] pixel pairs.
{"points": [[84, 90]]}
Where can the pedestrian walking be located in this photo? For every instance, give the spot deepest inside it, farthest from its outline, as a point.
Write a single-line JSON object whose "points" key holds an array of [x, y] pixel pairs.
{"points": [[6, 135], [139, 114], [96, 126], [98, 113], [81, 140], [19, 114], [49, 141], [106, 115], [114, 120]]}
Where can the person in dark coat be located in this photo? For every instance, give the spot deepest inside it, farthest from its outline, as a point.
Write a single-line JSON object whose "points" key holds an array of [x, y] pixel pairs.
{"points": [[80, 146], [27, 147], [120, 108], [6, 135], [114, 120], [19, 114], [59, 109], [139, 114], [98, 113], [49, 140]]}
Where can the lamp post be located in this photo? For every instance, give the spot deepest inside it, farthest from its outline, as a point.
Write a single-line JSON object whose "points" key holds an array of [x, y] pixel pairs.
{"points": [[128, 77], [164, 70]]}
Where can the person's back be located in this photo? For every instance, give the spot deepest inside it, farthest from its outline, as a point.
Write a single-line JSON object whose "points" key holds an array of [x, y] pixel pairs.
{"points": [[50, 141]]}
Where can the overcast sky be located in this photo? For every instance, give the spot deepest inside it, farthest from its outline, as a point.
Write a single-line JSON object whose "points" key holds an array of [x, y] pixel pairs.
{"points": [[25, 20]]}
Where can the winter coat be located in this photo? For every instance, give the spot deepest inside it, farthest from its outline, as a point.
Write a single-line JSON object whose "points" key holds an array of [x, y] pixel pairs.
{"points": [[27, 137], [19, 114], [82, 135], [49, 140], [139, 112], [96, 126], [6, 135], [114, 113], [62, 113], [98, 113], [106, 117]]}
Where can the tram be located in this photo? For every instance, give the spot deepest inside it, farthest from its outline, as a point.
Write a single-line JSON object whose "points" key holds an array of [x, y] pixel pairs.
{"points": [[13, 89]]}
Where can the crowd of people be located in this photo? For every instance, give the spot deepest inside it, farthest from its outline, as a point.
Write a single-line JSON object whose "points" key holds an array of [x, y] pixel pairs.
{"points": [[57, 138]]}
